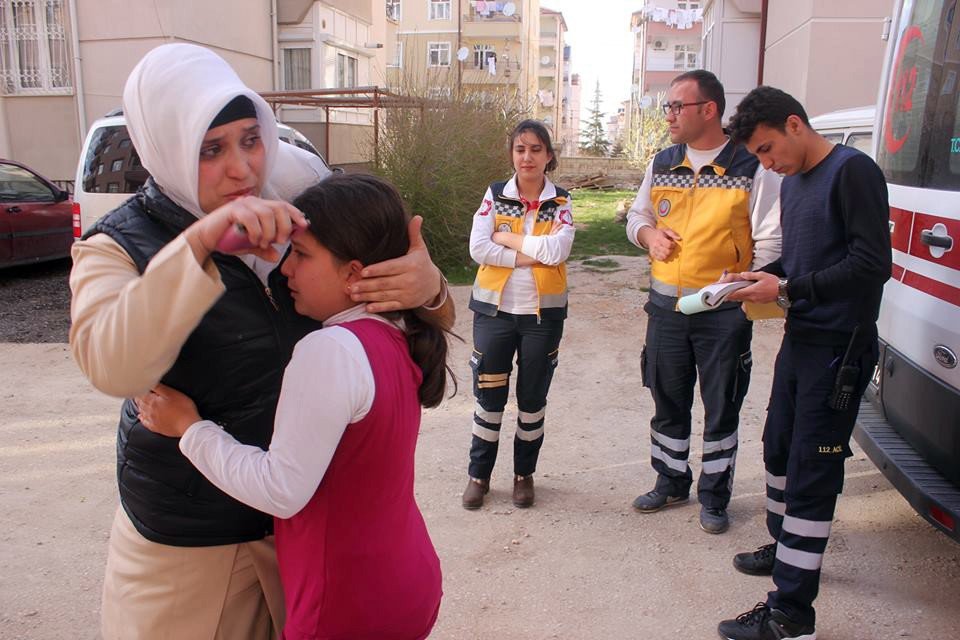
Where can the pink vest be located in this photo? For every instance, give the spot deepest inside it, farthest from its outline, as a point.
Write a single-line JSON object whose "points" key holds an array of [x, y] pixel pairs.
{"points": [[357, 561]]}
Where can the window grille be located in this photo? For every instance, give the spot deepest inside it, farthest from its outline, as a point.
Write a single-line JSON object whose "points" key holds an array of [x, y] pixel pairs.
{"points": [[34, 54]]}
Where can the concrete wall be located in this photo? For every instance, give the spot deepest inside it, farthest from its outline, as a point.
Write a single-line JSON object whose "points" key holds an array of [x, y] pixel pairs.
{"points": [[826, 53], [42, 133], [572, 168]]}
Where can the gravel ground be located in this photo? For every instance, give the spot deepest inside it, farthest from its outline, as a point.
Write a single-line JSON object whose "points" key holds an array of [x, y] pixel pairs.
{"points": [[35, 303]]}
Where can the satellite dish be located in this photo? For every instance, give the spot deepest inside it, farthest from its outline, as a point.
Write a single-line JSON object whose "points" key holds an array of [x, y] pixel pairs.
{"points": [[509, 9], [462, 53], [545, 60], [645, 102]]}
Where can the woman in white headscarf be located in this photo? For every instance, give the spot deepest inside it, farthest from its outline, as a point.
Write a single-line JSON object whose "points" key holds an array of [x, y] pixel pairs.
{"points": [[153, 301]]}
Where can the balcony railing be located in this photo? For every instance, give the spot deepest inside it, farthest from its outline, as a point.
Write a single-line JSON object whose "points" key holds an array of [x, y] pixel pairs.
{"points": [[483, 11]]}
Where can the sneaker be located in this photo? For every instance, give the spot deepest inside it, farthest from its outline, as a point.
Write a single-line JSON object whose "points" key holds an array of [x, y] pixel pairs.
{"points": [[764, 623], [473, 495], [757, 563], [714, 520], [654, 501]]}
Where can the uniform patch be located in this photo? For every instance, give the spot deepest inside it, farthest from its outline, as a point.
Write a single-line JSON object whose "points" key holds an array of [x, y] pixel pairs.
{"points": [[504, 227], [663, 208], [486, 207], [565, 217]]}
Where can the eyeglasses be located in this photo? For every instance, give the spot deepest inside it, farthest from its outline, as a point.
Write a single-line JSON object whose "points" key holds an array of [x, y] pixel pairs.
{"points": [[677, 107]]}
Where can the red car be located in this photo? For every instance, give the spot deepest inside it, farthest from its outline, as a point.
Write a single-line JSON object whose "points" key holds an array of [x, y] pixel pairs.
{"points": [[36, 217]]}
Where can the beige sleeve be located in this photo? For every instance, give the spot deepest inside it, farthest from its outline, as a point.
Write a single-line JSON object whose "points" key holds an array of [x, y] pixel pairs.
{"points": [[126, 329]]}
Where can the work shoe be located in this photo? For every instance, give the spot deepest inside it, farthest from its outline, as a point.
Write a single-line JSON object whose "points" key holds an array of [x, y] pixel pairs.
{"points": [[714, 520], [523, 491], [654, 501], [473, 494], [757, 563], [764, 623]]}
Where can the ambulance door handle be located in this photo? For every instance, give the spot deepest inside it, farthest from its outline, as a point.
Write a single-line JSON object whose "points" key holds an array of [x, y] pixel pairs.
{"points": [[937, 239]]}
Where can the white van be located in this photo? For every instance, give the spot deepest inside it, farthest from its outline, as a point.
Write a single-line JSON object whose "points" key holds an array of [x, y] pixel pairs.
{"points": [[109, 169], [852, 127], [909, 423]]}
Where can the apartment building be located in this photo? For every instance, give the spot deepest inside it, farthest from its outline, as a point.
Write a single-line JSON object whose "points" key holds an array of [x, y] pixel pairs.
{"points": [[451, 46], [63, 63], [826, 53], [570, 124], [666, 42], [549, 100]]}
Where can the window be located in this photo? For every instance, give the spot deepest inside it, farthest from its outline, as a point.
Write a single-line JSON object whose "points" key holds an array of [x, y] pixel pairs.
{"points": [[16, 183], [95, 178], [684, 57], [397, 56], [99, 169], [836, 138], [346, 70], [125, 143], [117, 165], [439, 9], [482, 54], [393, 10], [861, 142], [692, 5], [296, 69], [437, 93], [438, 54], [33, 47], [919, 143], [113, 187]]}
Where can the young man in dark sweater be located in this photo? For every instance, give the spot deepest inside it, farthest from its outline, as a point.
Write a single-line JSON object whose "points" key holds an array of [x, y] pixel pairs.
{"points": [[836, 257]]}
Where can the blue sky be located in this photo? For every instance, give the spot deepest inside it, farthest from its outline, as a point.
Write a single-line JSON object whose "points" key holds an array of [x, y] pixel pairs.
{"points": [[598, 32]]}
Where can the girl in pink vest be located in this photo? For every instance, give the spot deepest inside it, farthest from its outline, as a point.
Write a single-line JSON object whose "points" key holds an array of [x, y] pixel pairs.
{"points": [[355, 557]]}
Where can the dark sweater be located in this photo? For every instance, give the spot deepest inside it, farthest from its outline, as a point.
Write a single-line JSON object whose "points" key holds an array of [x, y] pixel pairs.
{"points": [[836, 247]]}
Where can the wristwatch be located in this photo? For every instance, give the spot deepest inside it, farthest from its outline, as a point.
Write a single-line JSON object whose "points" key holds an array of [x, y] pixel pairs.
{"points": [[783, 300]]}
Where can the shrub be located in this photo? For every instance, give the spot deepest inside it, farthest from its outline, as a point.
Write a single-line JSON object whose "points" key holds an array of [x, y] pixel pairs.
{"points": [[442, 156]]}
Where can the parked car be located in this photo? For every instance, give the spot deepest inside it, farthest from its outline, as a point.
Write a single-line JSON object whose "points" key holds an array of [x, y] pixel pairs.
{"points": [[852, 127], [35, 217], [109, 169]]}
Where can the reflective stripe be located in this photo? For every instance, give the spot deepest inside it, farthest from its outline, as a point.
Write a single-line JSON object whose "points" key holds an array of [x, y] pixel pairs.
{"points": [[799, 559], [486, 295], [530, 436], [721, 445], [776, 507], [552, 300], [494, 376], [776, 482], [807, 528], [718, 466], [531, 418], [668, 289], [492, 385], [490, 435], [494, 417], [676, 465], [680, 446]]}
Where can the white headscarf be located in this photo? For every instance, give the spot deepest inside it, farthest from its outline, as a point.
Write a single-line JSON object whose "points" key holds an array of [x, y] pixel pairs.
{"points": [[170, 99]]}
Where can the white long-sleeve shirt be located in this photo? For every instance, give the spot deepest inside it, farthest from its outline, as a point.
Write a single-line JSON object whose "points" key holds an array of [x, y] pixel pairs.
{"points": [[519, 294], [764, 207], [307, 428]]}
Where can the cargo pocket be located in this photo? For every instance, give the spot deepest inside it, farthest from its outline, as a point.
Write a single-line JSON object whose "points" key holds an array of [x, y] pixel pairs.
{"points": [[821, 471], [644, 377], [476, 363], [741, 377]]}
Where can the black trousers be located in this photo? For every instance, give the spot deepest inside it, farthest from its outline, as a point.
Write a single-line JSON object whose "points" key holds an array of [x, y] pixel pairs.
{"points": [[495, 341], [805, 444], [715, 345]]}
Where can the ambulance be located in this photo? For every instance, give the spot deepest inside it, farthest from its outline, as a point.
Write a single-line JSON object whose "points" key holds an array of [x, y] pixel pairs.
{"points": [[909, 422]]}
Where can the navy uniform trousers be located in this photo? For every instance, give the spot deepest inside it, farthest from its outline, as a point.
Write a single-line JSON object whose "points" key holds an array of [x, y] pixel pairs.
{"points": [[536, 343], [805, 444], [715, 344]]}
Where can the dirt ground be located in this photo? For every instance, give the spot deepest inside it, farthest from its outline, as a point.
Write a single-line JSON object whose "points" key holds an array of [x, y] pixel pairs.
{"points": [[580, 564]]}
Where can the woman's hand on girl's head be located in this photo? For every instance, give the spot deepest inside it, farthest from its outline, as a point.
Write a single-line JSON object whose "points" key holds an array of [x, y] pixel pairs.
{"points": [[166, 411], [407, 282], [266, 222]]}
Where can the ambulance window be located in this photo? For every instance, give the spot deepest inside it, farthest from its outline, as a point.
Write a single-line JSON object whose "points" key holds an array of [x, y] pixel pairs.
{"points": [[860, 141], [836, 138], [920, 133]]}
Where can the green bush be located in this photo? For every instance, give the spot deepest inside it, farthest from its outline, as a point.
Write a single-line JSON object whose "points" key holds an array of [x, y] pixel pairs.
{"points": [[442, 156]]}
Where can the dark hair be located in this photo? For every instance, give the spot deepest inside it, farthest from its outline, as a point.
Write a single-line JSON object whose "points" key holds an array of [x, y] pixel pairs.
{"points": [[538, 129], [363, 217], [767, 106], [708, 86]]}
